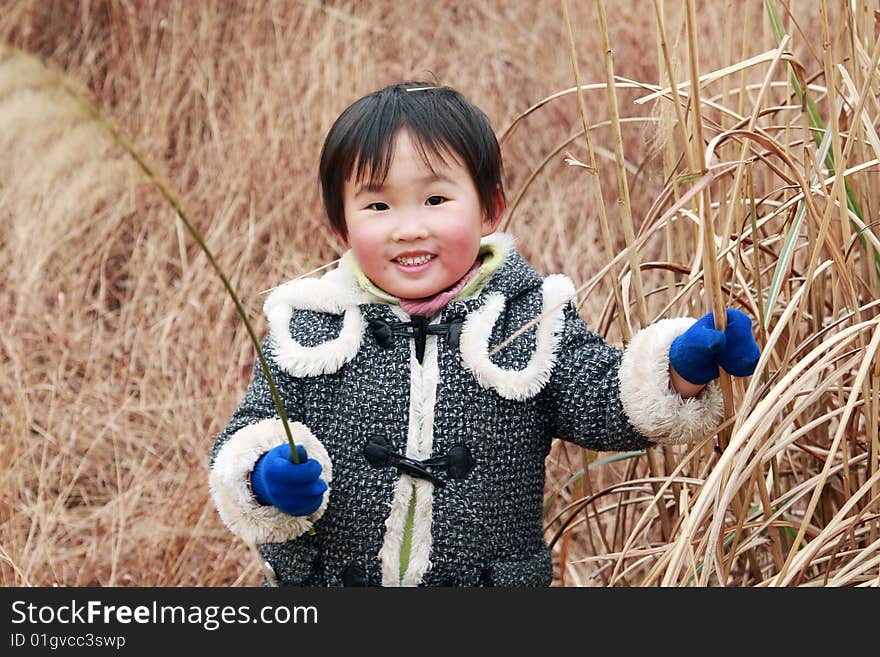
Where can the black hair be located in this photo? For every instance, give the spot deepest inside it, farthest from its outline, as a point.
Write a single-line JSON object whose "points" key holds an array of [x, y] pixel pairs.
{"points": [[439, 119]]}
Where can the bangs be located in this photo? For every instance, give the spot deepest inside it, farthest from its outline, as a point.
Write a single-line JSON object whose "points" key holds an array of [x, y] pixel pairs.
{"points": [[370, 164]]}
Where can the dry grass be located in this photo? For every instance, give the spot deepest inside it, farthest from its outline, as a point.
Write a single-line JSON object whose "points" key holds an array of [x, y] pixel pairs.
{"points": [[123, 357]]}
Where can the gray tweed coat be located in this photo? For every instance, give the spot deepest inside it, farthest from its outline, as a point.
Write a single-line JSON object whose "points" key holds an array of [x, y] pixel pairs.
{"points": [[349, 375]]}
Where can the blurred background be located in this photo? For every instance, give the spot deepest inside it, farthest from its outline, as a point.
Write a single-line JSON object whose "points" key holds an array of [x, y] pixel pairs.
{"points": [[123, 356]]}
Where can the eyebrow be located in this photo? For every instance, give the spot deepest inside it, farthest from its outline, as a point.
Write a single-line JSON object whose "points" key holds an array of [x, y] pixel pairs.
{"points": [[369, 188]]}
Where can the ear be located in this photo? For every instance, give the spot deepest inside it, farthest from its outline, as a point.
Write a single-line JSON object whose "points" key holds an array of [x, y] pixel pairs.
{"points": [[491, 225], [341, 239]]}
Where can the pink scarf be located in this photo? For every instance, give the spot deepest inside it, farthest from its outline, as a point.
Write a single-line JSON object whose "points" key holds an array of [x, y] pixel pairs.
{"points": [[427, 306]]}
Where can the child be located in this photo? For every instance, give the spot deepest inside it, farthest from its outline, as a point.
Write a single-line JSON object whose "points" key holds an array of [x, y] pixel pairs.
{"points": [[421, 452]]}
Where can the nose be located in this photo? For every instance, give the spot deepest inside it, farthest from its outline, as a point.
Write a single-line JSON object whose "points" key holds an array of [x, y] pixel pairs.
{"points": [[409, 228]]}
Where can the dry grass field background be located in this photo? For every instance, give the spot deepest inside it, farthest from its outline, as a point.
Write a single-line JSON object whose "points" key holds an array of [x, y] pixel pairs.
{"points": [[123, 356]]}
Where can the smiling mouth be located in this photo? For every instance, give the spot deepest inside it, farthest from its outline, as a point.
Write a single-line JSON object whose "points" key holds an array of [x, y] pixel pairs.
{"points": [[411, 261]]}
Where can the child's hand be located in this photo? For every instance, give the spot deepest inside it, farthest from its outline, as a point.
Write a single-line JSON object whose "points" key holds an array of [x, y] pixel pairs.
{"points": [[697, 353], [296, 489]]}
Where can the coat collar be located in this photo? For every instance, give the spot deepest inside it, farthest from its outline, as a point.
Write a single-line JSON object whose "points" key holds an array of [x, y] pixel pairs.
{"points": [[339, 293]]}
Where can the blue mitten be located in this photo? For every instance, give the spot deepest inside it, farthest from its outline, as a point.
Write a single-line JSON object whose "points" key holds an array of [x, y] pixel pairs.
{"points": [[296, 489], [741, 355], [697, 353]]}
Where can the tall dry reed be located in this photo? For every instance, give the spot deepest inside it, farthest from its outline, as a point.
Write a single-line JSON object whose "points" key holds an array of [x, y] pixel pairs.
{"points": [[786, 167]]}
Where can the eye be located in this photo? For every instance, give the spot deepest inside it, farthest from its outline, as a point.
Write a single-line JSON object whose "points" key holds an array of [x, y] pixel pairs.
{"points": [[436, 199], [378, 206]]}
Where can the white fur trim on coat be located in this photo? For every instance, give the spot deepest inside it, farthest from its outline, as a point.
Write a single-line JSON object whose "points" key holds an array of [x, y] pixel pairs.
{"points": [[503, 242], [335, 292], [228, 482], [650, 402], [419, 444], [521, 384]]}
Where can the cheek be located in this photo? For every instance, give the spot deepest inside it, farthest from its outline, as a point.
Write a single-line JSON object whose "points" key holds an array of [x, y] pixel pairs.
{"points": [[361, 237], [367, 247], [462, 231]]}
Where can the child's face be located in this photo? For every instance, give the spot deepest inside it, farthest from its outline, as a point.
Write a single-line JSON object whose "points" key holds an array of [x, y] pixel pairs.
{"points": [[419, 232]]}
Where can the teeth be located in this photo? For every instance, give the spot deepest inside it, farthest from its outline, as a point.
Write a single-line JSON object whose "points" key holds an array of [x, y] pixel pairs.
{"points": [[418, 260]]}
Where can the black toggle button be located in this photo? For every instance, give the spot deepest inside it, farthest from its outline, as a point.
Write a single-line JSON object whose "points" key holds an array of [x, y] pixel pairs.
{"points": [[418, 329], [457, 463], [354, 575]]}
